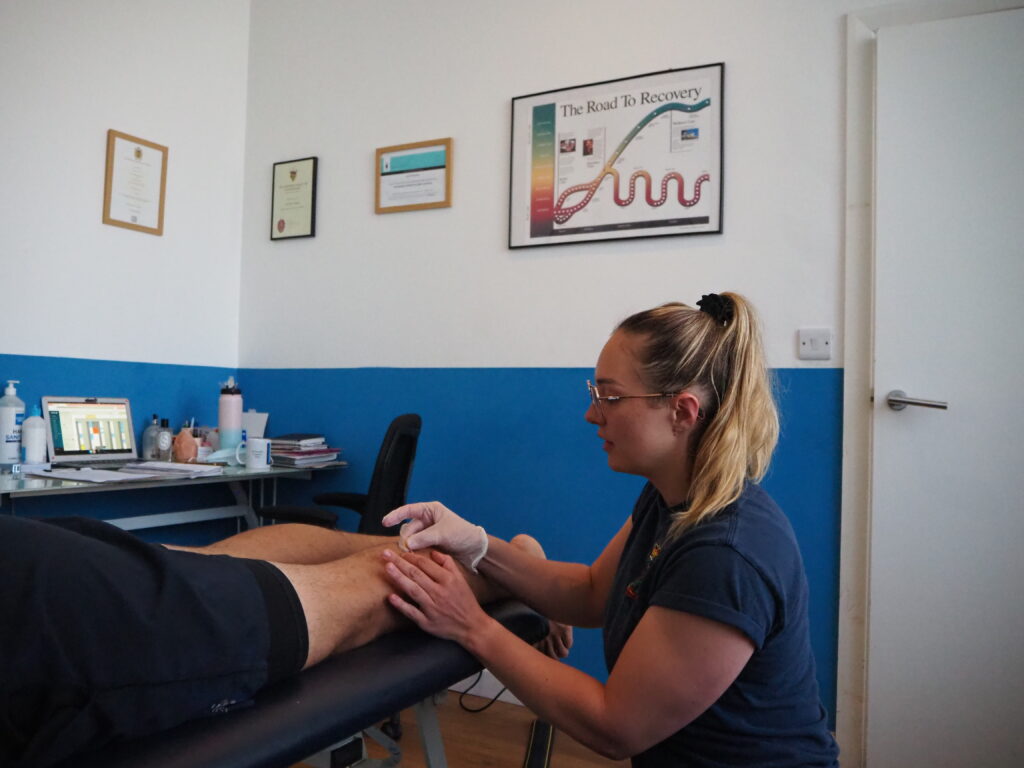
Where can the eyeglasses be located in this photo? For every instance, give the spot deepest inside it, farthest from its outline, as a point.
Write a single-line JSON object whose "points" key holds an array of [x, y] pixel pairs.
{"points": [[597, 398]]}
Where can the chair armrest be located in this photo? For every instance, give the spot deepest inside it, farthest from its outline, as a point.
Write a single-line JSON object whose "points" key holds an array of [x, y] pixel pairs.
{"points": [[308, 515], [353, 501]]}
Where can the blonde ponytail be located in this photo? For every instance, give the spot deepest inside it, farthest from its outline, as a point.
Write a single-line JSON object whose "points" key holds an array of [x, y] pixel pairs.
{"points": [[719, 356]]}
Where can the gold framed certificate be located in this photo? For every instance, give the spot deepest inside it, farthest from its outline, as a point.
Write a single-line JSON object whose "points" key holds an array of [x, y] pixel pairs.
{"points": [[293, 199], [411, 177], [136, 180]]}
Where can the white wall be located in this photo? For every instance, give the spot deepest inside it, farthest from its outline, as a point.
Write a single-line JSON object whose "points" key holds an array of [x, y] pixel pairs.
{"points": [[334, 79], [171, 73], [440, 288]]}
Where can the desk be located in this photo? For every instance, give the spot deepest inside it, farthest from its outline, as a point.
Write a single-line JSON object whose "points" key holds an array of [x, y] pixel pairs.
{"points": [[242, 482]]}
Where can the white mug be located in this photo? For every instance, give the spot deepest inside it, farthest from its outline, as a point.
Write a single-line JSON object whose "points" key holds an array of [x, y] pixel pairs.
{"points": [[257, 453]]}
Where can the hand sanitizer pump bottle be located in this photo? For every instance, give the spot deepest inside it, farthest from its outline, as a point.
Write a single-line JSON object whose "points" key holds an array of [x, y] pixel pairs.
{"points": [[12, 414], [229, 415]]}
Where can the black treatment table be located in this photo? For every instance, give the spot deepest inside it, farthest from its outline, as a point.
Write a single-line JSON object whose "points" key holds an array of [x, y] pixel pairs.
{"points": [[320, 707]]}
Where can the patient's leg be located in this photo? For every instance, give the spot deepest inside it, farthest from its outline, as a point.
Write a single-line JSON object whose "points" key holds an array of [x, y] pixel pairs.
{"points": [[345, 601], [339, 578], [292, 543], [559, 639]]}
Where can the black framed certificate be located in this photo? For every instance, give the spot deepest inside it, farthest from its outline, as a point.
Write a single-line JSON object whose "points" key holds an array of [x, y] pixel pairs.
{"points": [[293, 199]]}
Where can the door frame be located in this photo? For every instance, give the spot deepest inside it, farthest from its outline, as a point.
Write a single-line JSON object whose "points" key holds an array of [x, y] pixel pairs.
{"points": [[858, 366]]}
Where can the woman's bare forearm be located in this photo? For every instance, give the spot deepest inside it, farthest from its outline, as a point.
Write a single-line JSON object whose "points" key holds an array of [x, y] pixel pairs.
{"points": [[564, 592]]}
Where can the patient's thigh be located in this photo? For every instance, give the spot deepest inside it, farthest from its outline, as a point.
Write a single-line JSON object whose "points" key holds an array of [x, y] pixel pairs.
{"points": [[292, 543], [104, 636]]}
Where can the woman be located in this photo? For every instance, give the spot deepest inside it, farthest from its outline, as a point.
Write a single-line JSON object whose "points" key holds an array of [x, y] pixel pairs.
{"points": [[701, 595]]}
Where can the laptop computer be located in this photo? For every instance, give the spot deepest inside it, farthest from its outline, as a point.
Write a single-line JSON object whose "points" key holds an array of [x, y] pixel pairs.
{"points": [[89, 431]]}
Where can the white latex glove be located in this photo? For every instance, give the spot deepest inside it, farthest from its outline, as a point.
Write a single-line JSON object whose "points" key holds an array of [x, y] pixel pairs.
{"points": [[432, 524]]}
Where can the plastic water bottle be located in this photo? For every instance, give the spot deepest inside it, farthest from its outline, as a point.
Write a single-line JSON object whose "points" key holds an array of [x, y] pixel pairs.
{"points": [[12, 414], [229, 415], [33, 438]]}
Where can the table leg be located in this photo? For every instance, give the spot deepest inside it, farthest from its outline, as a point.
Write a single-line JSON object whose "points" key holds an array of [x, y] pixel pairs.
{"points": [[242, 500]]}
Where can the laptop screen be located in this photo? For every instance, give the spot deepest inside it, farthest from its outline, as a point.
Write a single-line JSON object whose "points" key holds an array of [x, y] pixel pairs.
{"points": [[84, 429]]}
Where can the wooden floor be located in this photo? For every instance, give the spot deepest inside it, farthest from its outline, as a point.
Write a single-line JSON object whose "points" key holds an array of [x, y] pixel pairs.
{"points": [[494, 738]]}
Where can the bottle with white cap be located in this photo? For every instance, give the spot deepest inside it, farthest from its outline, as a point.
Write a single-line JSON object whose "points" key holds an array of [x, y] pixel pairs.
{"points": [[12, 414], [33, 438]]}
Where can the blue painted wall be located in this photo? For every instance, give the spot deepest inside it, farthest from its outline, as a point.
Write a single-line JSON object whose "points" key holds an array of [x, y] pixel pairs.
{"points": [[177, 392], [506, 447]]}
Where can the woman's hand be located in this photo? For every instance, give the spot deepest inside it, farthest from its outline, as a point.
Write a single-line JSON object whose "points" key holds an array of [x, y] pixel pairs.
{"points": [[434, 595], [432, 524], [558, 641]]}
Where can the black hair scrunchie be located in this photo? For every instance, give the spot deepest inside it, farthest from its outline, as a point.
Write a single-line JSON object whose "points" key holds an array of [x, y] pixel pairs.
{"points": [[720, 308]]}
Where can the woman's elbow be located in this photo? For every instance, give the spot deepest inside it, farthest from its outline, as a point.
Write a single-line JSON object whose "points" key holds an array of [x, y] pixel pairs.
{"points": [[615, 752], [616, 746], [620, 740]]}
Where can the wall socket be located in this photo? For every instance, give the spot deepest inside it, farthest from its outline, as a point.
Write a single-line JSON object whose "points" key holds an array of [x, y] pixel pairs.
{"points": [[814, 343]]}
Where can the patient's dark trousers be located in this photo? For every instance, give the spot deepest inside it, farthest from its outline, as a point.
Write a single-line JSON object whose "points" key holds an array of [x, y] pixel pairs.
{"points": [[106, 637]]}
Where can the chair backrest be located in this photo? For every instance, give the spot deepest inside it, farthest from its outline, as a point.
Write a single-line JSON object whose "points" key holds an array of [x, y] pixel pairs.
{"points": [[390, 482]]}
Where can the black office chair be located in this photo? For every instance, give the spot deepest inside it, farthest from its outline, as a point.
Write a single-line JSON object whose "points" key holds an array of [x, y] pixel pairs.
{"points": [[388, 486]]}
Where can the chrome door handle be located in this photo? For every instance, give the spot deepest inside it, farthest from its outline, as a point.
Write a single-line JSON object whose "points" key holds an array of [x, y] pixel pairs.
{"points": [[898, 400]]}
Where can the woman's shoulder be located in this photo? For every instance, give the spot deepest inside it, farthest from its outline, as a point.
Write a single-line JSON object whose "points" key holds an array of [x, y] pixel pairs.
{"points": [[753, 525]]}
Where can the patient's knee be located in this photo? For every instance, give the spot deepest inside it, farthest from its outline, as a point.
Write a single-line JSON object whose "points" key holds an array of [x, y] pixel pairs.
{"points": [[527, 544]]}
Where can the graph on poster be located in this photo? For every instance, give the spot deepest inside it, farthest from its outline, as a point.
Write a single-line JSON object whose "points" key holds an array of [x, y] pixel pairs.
{"points": [[564, 212], [629, 158]]}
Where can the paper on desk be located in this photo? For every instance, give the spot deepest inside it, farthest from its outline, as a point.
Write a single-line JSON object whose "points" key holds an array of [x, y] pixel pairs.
{"points": [[171, 469], [90, 475], [254, 423]]}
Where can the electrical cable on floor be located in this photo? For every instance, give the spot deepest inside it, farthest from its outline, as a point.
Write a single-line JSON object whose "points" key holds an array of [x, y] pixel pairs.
{"points": [[479, 676]]}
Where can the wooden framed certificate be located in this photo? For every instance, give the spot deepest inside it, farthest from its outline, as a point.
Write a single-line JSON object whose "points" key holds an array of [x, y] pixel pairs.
{"points": [[293, 199], [136, 180], [411, 177]]}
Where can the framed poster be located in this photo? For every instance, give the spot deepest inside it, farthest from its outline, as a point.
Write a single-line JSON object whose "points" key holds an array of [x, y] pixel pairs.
{"points": [[135, 183], [293, 199], [411, 177], [634, 157]]}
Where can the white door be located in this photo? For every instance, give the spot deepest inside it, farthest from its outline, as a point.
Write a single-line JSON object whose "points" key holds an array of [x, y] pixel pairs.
{"points": [[945, 683]]}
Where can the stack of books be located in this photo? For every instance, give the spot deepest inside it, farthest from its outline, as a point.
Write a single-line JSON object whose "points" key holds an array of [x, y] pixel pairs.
{"points": [[301, 450]]}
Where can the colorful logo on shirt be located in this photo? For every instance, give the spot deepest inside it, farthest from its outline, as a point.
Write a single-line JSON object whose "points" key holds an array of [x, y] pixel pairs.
{"points": [[633, 586]]}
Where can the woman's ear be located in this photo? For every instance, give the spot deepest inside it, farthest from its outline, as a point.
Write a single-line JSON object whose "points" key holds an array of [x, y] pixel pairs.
{"points": [[685, 411]]}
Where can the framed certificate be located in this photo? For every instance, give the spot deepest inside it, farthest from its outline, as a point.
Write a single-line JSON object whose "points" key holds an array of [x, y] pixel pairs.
{"points": [[414, 176], [293, 199], [136, 179]]}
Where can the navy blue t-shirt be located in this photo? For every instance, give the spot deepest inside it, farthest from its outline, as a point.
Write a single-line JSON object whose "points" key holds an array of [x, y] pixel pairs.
{"points": [[742, 567]]}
